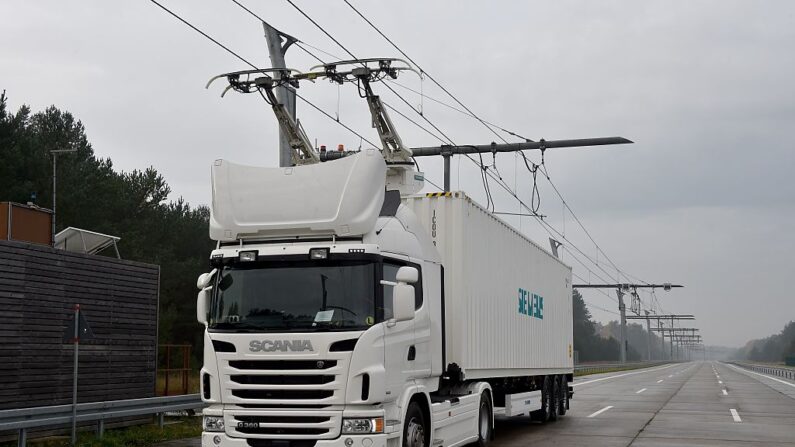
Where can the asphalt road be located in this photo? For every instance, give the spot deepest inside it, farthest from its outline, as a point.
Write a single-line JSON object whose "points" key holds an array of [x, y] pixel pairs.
{"points": [[674, 405], [691, 404]]}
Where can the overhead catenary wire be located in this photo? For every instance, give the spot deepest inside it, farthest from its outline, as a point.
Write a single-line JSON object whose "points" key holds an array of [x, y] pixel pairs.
{"points": [[350, 53], [533, 170], [491, 127], [418, 66], [245, 61], [300, 44], [535, 198]]}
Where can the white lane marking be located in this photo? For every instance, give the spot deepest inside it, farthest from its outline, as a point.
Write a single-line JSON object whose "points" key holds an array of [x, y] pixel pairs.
{"points": [[640, 391], [601, 411], [621, 375], [725, 393], [764, 375], [720, 381], [659, 380], [735, 415], [670, 376]]}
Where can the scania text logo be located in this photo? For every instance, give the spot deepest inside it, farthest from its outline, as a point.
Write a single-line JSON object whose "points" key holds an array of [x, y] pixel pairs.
{"points": [[280, 345]]}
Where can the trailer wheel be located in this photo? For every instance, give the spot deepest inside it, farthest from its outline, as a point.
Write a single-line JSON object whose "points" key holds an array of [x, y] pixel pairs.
{"points": [[485, 426], [543, 415], [564, 395], [554, 399], [414, 429]]}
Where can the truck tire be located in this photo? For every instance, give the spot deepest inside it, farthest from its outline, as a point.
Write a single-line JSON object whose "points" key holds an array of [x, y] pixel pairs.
{"points": [[554, 399], [543, 415], [485, 426], [414, 428], [564, 395]]}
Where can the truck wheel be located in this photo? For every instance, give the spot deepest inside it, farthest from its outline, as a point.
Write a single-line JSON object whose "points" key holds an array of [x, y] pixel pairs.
{"points": [[564, 395], [554, 399], [414, 428], [543, 414], [485, 428]]}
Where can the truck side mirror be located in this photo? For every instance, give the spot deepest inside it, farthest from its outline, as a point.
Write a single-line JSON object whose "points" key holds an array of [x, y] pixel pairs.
{"points": [[403, 301], [205, 279], [202, 304], [408, 275]]}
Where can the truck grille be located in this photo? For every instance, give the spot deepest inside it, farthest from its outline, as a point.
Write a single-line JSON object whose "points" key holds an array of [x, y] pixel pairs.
{"points": [[283, 394], [285, 382], [284, 398], [283, 364], [281, 380]]}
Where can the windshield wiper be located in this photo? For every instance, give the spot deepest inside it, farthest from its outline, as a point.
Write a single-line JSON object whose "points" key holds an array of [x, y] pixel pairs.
{"points": [[237, 326]]}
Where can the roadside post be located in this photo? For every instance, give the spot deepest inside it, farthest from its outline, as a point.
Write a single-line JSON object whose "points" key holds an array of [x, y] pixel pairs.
{"points": [[78, 328]]}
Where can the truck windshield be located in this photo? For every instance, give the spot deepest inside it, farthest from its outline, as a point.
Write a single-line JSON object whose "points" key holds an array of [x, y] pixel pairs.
{"points": [[295, 296]]}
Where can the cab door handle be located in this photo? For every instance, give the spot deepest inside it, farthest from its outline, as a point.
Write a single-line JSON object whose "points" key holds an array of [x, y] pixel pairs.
{"points": [[412, 353]]}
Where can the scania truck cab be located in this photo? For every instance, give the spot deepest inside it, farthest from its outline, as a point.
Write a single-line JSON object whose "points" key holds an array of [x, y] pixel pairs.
{"points": [[325, 319]]}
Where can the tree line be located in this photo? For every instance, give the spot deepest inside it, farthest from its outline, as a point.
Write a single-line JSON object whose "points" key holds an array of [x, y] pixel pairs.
{"points": [[773, 349], [94, 196]]}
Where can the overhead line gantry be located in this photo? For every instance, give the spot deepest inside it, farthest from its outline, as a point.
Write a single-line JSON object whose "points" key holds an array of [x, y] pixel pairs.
{"points": [[621, 290]]}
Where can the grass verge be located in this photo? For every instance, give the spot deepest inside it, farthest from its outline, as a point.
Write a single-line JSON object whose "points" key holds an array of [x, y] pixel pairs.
{"points": [[136, 436], [609, 370]]}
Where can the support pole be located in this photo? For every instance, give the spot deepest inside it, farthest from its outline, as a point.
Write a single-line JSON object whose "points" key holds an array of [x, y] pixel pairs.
{"points": [[622, 333], [284, 93], [54, 154], [672, 340], [54, 171], [447, 155], [648, 336]]}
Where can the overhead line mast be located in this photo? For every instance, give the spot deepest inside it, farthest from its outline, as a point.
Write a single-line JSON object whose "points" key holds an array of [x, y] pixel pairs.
{"points": [[621, 290]]}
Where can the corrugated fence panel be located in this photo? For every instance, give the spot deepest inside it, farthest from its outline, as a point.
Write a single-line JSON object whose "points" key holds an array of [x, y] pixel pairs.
{"points": [[39, 287]]}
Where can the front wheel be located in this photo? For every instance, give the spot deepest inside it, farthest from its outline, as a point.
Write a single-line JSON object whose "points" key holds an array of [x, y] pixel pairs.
{"points": [[414, 428], [485, 427]]}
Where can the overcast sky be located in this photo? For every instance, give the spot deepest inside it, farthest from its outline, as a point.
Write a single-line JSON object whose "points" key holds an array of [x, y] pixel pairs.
{"points": [[706, 89]]}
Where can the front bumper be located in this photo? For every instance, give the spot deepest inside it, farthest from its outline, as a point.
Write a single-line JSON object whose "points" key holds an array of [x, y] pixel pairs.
{"points": [[209, 440]]}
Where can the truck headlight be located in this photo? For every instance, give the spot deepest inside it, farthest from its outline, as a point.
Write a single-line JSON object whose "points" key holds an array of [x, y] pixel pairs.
{"points": [[352, 426], [213, 423]]}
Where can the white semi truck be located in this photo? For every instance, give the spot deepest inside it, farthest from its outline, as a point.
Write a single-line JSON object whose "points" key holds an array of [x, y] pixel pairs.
{"points": [[344, 309]]}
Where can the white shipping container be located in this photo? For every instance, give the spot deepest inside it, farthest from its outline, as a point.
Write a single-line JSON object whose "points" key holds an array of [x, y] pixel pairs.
{"points": [[508, 303]]}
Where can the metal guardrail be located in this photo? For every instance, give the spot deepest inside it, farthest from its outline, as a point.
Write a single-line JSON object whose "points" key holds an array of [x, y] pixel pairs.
{"points": [[606, 367], [787, 373], [23, 419]]}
